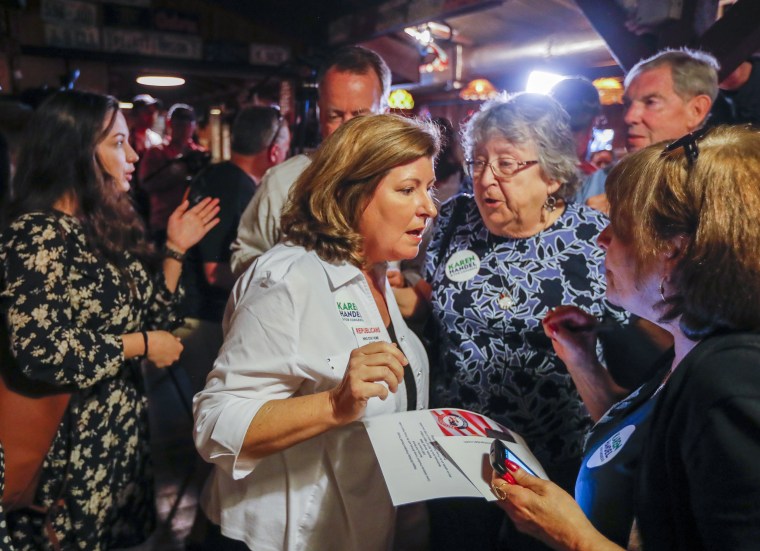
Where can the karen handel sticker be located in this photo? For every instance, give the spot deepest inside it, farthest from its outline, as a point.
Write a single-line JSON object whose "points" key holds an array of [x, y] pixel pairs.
{"points": [[462, 265]]}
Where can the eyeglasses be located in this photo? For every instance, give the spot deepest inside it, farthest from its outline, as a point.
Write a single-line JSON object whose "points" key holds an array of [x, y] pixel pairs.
{"points": [[689, 144], [504, 168]]}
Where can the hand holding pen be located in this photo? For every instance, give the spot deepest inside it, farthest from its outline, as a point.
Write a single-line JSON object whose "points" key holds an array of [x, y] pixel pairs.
{"points": [[573, 334]]}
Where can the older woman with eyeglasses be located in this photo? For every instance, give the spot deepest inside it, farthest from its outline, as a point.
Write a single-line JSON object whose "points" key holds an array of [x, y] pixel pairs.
{"points": [[682, 251], [497, 265]]}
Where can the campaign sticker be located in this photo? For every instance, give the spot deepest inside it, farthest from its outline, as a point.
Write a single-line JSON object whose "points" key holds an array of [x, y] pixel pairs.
{"points": [[348, 308], [462, 265], [367, 335], [611, 447]]}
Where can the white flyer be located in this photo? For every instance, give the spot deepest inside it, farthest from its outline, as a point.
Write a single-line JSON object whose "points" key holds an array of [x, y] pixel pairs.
{"points": [[410, 449]]}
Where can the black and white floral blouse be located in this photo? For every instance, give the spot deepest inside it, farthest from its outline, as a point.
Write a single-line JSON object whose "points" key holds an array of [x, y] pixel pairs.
{"points": [[66, 308], [490, 294]]}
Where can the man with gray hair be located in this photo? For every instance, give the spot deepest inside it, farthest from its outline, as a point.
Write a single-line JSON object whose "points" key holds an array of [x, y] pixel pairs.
{"points": [[354, 81], [669, 95], [666, 96]]}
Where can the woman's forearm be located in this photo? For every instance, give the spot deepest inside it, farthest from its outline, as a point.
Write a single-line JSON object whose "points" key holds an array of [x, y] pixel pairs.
{"points": [[574, 338], [596, 387], [280, 424]]}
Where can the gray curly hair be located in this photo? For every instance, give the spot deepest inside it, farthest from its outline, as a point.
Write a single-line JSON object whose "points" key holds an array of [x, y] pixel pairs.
{"points": [[527, 118]]}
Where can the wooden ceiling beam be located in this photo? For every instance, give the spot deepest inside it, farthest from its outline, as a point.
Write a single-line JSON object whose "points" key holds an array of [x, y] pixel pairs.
{"points": [[609, 20], [734, 37], [402, 58]]}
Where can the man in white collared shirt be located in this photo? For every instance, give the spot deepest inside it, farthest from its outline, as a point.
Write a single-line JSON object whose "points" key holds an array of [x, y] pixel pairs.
{"points": [[354, 81]]}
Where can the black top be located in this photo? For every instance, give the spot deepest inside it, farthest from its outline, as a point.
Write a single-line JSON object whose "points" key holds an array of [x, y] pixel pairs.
{"points": [[234, 189], [744, 102], [699, 484], [411, 384]]}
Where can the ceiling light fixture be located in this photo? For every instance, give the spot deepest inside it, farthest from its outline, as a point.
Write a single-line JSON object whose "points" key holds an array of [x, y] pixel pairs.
{"points": [[426, 33], [610, 90], [479, 89], [400, 99], [433, 57], [421, 34], [160, 80]]}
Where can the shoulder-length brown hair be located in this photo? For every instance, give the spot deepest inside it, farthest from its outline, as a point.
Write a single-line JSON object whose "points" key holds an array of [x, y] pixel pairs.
{"points": [[326, 202], [711, 203]]}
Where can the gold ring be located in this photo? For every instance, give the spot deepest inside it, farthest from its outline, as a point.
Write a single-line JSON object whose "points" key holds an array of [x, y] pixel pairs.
{"points": [[499, 491]]}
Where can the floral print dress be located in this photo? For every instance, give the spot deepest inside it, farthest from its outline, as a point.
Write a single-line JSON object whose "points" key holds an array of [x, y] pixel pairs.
{"points": [[66, 308]]}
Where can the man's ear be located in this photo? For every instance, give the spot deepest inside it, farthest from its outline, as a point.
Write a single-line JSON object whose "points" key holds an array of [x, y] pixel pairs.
{"points": [[698, 108], [272, 153]]}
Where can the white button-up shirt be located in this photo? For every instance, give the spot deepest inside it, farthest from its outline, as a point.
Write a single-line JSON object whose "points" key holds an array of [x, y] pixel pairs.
{"points": [[290, 326]]}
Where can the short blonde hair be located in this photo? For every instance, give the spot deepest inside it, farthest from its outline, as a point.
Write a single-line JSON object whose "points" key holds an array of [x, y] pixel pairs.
{"points": [[326, 202], [712, 202]]}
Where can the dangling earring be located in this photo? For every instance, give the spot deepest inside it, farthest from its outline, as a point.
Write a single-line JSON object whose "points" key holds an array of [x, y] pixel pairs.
{"points": [[662, 289], [551, 203]]}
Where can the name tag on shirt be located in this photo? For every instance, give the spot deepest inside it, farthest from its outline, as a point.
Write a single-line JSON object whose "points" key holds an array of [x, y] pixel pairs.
{"points": [[367, 335]]}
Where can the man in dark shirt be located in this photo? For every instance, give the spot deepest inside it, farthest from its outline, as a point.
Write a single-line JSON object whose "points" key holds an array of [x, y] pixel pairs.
{"points": [[741, 93], [260, 140]]}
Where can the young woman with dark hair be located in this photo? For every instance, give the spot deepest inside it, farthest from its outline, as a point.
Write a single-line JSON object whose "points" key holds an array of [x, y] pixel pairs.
{"points": [[85, 297]]}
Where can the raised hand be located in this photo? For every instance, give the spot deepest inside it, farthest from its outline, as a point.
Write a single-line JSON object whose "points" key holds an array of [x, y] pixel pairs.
{"points": [[187, 225], [573, 334]]}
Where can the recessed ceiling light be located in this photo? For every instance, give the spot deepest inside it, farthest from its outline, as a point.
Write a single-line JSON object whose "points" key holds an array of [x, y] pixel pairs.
{"points": [[159, 80]]}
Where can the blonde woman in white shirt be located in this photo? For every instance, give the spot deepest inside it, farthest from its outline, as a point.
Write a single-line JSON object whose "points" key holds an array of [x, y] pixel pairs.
{"points": [[314, 342]]}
